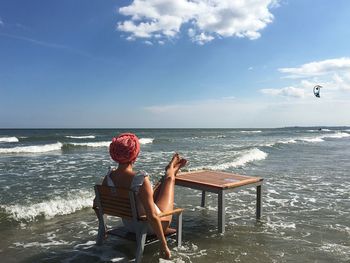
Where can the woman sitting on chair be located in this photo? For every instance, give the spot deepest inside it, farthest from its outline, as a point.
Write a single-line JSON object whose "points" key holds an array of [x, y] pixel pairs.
{"points": [[124, 150]]}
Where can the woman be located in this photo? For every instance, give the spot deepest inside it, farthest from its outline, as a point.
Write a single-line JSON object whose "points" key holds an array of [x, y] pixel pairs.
{"points": [[124, 149]]}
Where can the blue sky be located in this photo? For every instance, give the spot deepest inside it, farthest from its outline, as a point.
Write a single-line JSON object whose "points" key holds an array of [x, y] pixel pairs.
{"points": [[174, 63]]}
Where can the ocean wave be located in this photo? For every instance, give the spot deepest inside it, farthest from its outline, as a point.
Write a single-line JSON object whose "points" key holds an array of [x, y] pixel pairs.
{"points": [[90, 144], [320, 130], [105, 143], [338, 135], [316, 139], [9, 139], [33, 149], [51, 208], [288, 141], [81, 137], [244, 157], [258, 131], [146, 140]]}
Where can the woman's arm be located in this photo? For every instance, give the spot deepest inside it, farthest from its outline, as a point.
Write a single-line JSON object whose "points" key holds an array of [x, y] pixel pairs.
{"points": [[146, 198]]}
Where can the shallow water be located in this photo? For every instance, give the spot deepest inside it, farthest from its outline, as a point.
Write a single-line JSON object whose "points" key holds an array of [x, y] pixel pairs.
{"points": [[46, 180]]}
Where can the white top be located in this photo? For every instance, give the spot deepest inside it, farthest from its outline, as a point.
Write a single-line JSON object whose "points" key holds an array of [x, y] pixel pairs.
{"points": [[136, 183]]}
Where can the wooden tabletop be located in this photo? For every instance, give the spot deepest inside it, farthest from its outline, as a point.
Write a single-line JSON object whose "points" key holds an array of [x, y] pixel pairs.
{"points": [[215, 179]]}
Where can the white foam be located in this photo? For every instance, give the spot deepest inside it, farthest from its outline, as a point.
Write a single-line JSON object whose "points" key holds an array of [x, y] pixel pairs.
{"points": [[51, 208], [51, 242], [107, 143], [279, 225], [317, 139], [338, 135], [245, 157], [258, 131], [9, 139], [33, 148], [92, 144], [41, 244], [88, 244], [146, 140], [81, 137], [288, 141]]}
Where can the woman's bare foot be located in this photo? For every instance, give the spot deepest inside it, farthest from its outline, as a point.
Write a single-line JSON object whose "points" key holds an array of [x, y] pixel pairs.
{"points": [[175, 164]]}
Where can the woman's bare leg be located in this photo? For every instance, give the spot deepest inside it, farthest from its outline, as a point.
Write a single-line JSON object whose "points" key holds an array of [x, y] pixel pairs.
{"points": [[165, 196]]}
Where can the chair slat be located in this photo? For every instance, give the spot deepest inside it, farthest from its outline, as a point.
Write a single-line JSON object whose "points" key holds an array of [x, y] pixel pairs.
{"points": [[111, 191], [113, 197], [117, 208], [115, 203], [115, 212]]}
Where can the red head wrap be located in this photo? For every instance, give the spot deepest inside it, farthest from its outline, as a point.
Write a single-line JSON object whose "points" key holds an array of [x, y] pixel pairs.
{"points": [[125, 148]]}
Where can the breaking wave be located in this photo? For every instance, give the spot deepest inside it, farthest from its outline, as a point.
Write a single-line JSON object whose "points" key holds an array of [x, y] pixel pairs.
{"points": [[9, 139], [81, 137], [319, 138], [91, 144], [258, 131], [58, 146], [244, 157], [106, 143], [51, 208], [146, 140], [33, 148], [337, 135]]}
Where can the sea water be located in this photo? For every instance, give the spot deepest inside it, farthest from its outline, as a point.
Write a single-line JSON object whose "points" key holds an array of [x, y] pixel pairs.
{"points": [[47, 178]]}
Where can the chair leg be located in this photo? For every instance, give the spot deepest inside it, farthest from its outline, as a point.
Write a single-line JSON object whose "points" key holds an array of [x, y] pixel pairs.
{"points": [[140, 242], [179, 230], [101, 231]]}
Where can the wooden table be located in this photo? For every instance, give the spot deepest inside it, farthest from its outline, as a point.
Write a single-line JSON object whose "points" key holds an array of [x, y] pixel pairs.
{"points": [[220, 183]]}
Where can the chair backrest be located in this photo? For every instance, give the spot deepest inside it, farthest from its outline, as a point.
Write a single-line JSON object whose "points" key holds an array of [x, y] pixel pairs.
{"points": [[116, 201]]}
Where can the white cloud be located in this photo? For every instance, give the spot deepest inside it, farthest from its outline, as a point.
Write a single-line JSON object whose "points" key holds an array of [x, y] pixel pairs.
{"points": [[286, 92], [318, 68], [342, 82], [205, 20], [1, 22]]}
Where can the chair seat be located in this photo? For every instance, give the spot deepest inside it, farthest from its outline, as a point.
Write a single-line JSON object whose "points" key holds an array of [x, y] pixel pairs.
{"points": [[150, 238]]}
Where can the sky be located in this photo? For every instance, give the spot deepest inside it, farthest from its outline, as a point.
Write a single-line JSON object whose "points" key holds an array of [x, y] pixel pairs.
{"points": [[174, 63]]}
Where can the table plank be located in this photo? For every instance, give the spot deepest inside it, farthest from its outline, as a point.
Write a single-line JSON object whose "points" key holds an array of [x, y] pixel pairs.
{"points": [[215, 179]]}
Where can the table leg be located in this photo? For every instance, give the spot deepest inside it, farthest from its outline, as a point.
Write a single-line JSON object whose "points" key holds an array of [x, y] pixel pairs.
{"points": [[203, 199], [258, 202], [221, 212]]}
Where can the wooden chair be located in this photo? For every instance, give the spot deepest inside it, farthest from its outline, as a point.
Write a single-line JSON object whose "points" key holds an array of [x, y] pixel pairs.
{"points": [[120, 202]]}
